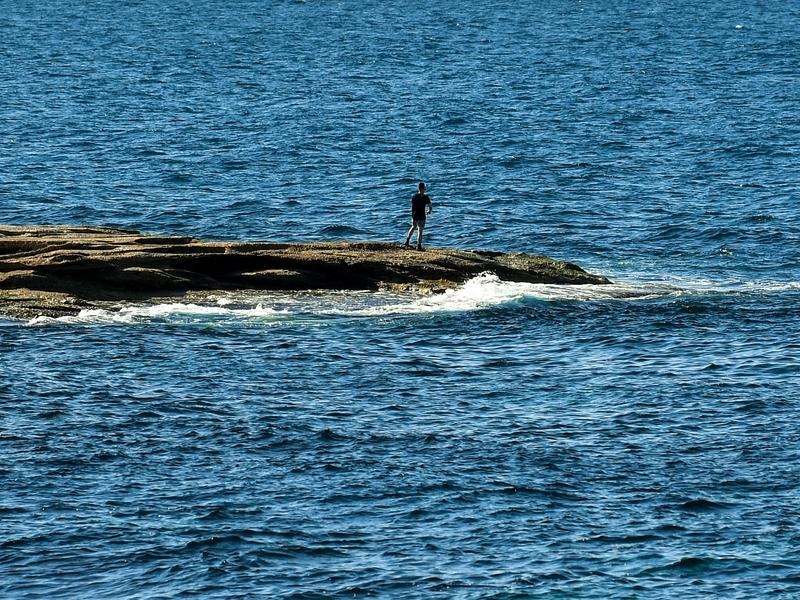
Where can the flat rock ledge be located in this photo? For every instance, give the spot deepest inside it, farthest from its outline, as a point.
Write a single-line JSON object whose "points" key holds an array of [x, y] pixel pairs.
{"points": [[61, 270]]}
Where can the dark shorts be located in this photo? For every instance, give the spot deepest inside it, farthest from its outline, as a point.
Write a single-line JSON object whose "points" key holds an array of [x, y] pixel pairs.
{"points": [[417, 221]]}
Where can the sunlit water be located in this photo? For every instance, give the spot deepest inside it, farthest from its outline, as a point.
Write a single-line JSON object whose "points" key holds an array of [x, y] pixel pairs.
{"points": [[501, 440]]}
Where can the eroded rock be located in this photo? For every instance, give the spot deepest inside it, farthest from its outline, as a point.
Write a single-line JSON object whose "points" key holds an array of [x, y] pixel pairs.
{"points": [[57, 270]]}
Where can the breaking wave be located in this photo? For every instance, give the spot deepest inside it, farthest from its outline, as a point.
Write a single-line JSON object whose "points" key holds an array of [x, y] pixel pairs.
{"points": [[482, 292]]}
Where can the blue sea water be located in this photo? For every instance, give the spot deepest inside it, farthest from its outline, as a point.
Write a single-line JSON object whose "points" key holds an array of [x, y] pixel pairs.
{"points": [[499, 441]]}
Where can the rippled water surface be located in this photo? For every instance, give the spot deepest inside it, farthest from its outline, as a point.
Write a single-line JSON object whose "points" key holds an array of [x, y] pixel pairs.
{"points": [[501, 440]]}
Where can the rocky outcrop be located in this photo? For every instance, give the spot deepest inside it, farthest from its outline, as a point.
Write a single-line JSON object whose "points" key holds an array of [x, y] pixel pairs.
{"points": [[59, 270]]}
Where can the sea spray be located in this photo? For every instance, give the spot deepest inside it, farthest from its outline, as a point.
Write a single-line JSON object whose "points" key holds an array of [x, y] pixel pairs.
{"points": [[482, 292]]}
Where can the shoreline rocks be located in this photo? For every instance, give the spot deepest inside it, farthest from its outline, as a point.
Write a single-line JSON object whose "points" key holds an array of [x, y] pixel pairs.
{"points": [[60, 270]]}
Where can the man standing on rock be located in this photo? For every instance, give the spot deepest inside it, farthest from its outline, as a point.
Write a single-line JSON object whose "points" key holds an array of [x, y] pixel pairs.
{"points": [[421, 207]]}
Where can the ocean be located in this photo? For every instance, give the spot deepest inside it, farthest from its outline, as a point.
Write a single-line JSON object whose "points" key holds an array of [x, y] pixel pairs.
{"points": [[498, 441]]}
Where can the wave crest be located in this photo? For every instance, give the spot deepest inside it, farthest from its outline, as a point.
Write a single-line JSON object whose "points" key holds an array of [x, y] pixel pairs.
{"points": [[482, 292]]}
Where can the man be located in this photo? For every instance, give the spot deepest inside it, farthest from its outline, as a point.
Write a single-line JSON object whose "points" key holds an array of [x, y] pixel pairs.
{"points": [[421, 207]]}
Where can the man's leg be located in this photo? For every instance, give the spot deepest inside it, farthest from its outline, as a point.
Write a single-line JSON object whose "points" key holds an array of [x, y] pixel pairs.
{"points": [[420, 227], [410, 231]]}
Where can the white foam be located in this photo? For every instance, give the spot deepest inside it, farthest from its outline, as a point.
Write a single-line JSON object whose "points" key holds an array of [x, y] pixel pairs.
{"points": [[771, 286], [703, 285], [488, 290], [128, 314], [479, 293]]}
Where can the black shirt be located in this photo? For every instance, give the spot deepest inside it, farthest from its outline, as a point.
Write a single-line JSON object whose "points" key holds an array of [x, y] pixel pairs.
{"points": [[418, 204]]}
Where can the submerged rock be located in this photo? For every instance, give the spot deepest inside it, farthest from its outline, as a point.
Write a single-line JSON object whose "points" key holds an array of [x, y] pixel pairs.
{"points": [[59, 270]]}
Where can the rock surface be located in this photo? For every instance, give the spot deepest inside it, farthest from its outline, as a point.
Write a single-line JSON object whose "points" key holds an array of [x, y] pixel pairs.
{"points": [[60, 270]]}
